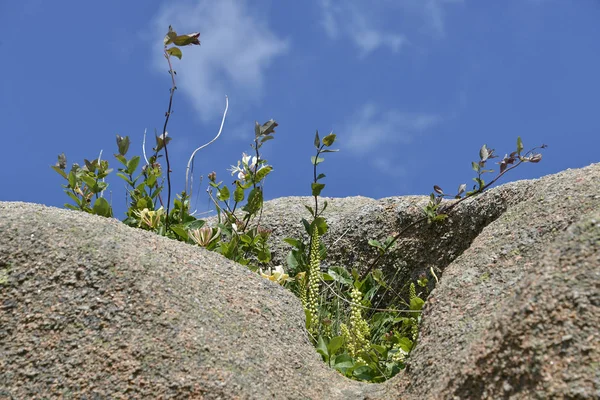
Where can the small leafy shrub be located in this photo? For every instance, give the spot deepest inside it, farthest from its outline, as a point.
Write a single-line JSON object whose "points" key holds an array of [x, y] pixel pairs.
{"points": [[344, 318]]}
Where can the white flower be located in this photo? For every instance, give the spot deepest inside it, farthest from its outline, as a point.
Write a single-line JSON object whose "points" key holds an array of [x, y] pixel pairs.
{"points": [[245, 167], [276, 275]]}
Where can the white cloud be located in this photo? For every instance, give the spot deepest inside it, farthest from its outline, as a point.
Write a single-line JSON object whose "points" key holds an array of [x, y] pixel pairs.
{"points": [[362, 21], [236, 50], [374, 130], [389, 167], [352, 19], [375, 135]]}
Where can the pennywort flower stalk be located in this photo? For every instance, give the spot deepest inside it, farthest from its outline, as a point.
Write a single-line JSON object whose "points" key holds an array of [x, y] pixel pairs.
{"points": [[356, 335], [312, 293]]}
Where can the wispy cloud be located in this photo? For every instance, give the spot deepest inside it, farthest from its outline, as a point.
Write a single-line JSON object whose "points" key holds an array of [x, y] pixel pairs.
{"points": [[377, 133], [362, 21], [375, 129], [351, 19], [237, 49]]}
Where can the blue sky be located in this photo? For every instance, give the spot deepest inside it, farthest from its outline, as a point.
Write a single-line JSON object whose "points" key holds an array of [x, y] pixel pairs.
{"points": [[412, 88]]}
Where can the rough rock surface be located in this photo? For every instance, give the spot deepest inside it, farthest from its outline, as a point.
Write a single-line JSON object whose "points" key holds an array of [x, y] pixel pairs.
{"points": [[353, 221], [89, 307]]}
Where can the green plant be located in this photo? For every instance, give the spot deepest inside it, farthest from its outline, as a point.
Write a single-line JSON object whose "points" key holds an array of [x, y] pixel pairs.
{"points": [[84, 184], [343, 318], [247, 242], [435, 211]]}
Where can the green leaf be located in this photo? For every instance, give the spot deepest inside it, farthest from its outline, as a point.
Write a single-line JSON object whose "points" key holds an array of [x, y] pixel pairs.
{"points": [[123, 144], [223, 193], [175, 52], [329, 139], [266, 138], [322, 348], [321, 225], [89, 181], [245, 238], [293, 242], [125, 178], [90, 165], [320, 176], [72, 179], [121, 159], [308, 316], [101, 207], [266, 129], [74, 197], [307, 226], [480, 182], [104, 173], [133, 164], [405, 344], [238, 194], [261, 173], [60, 171], [343, 362], [475, 166], [381, 350], [335, 344], [255, 201], [519, 145], [317, 188], [341, 275], [364, 373], [141, 204], [151, 180], [375, 243], [169, 36], [328, 151], [316, 160], [317, 140], [416, 303], [180, 231], [310, 210], [187, 39], [196, 224], [264, 256], [291, 261], [256, 129]]}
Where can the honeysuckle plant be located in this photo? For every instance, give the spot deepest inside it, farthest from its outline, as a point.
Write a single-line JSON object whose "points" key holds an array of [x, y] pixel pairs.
{"points": [[247, 243], [275, 274]]}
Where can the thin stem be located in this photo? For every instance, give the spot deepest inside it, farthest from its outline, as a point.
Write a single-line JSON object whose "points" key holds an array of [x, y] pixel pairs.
{"points": [[315, 178], [445, 210], [365, 307], [190, 165], [164, 137], [144, 148]]}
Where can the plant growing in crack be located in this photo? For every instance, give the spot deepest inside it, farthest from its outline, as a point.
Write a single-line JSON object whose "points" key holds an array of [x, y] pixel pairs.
{"points": [[342, 307], [435, 211]]}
